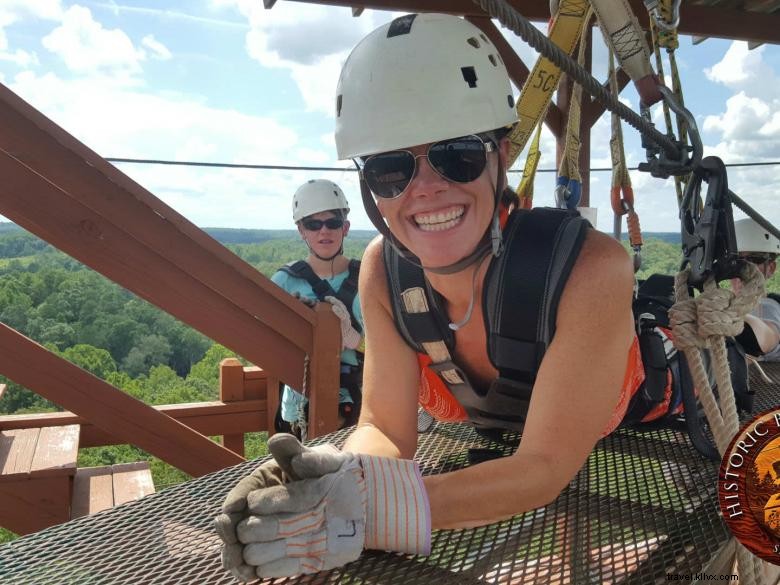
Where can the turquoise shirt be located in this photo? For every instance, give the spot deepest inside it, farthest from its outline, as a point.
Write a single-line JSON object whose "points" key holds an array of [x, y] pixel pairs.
{"points": [[291, 399]]}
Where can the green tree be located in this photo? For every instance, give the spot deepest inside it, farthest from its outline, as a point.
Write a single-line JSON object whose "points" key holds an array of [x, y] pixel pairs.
{"points": [[95, 360], [150, 350]]}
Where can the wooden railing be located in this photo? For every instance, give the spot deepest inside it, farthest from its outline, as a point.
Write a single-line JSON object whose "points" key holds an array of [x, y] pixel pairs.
{"points": [[60, 190], [248, 402]]}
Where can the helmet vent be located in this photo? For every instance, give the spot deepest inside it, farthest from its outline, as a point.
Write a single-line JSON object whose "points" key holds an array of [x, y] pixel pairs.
{"points": [[469, 76], [473, 41], [401, 26], [493, 60], [510, 100], [484, 38], [338, 105]]}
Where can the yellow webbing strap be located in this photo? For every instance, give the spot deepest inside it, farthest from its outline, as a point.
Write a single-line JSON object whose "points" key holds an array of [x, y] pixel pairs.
{"points": [[543, 81], [667, 39], [525, 190], [569, 184], [621, 192]]}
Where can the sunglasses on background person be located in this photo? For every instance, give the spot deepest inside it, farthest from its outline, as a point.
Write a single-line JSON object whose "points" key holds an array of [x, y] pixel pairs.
{"points": [[315, 225], [460, 160]]}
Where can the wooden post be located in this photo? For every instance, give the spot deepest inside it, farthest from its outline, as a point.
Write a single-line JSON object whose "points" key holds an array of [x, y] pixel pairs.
{"points": [[231, 389], [273, 388], [324, 370]]}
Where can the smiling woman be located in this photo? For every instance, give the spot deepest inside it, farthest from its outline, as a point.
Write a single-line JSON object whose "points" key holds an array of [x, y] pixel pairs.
{"points": [[424, 110]]}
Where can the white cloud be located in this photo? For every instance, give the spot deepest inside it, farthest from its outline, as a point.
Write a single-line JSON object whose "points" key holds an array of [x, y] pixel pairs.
{"points": [[19, 57], [157, 49], [120, 121], [12, 11], [86, 47], [739, 65], [309, 41]]}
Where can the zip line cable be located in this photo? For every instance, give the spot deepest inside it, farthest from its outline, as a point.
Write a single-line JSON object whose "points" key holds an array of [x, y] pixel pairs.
{"points": [[185, 163]]}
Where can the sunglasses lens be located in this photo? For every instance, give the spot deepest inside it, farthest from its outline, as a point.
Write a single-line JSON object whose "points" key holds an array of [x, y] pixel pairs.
{"points": [[461, 160], [315, 225], [389, 173]]}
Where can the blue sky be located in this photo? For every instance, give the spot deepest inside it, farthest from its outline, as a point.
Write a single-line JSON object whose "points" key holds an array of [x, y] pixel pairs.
{"points": [[228, 81]]}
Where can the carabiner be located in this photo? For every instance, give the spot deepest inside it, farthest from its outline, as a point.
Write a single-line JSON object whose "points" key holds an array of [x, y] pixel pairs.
{"points": [[621, 204], [567, 193], [655, 11]]}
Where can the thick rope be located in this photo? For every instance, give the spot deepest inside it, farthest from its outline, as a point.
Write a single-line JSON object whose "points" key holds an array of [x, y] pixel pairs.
{"points": [[702, 323], [518, 24]]}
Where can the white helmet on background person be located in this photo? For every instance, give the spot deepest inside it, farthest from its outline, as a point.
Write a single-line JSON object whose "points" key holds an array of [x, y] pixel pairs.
{"points": [[752, 238], [317, 195], [418, 79]]}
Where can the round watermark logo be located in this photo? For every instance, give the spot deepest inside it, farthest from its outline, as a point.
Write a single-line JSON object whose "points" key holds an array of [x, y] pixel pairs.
{"points": [[749, 486]]}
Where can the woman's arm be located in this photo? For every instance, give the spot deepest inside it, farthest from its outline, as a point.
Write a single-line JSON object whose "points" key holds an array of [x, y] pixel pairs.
{"points": [[765, 332], [576, 392], [388, 416]]}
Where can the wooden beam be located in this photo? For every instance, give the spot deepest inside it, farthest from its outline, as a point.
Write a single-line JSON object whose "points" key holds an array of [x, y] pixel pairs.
{"points": [[208, 418], [593, 109], [700, 20], [57, 188], [108, 408]]}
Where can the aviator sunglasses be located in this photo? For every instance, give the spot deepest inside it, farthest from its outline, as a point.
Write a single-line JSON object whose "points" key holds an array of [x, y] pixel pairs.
{"points": [[315, 225], [460, 160]]}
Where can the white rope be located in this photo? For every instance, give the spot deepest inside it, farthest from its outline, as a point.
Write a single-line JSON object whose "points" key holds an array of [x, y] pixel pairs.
{"points": [[702, 323]]}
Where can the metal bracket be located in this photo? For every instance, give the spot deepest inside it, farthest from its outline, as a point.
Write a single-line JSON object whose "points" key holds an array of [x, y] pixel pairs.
{"points": [[660, 163]]}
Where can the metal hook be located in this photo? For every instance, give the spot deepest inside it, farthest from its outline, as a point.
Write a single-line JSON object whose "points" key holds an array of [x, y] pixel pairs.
{"points": [[660, 21]]}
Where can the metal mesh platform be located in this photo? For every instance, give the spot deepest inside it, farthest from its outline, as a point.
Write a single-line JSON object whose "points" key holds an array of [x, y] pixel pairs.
{"points": [[643, 506]]}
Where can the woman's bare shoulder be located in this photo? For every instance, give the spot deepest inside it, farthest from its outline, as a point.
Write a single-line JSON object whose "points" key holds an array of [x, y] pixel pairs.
{"points": [[373, 279], [603, 263]]}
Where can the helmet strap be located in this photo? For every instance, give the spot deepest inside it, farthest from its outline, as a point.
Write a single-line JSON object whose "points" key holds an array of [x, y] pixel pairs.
{"points": [[491, 241]]}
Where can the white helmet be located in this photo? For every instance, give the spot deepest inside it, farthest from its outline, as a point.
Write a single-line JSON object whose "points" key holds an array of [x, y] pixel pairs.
{"points": [[317, 195], [751, 237], [420, 78]]}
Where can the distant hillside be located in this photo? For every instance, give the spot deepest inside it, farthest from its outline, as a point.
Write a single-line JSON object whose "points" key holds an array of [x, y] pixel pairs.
{"points": [[252, 236], [257, 236]]}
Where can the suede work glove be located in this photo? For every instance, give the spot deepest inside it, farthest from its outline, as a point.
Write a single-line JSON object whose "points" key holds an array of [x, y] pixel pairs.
{"points": [[350, 338], [305, 300], [275, 472], [328, 517]]}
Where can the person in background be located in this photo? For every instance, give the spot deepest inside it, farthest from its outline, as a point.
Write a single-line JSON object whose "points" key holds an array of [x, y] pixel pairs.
{"points": [[320, 212], [761, 337]]}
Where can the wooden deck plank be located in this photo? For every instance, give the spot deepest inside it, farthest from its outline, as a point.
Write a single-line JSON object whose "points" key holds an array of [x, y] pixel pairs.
{"points": [[57, 449], [17, 448], [93, 491], [131, 481], [30, 504]]}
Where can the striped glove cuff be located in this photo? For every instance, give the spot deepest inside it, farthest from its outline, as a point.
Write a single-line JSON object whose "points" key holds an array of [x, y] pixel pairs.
{"points": [[398, 515]]}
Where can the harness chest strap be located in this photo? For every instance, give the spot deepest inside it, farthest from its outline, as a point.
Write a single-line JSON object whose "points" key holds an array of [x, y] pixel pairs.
{"points": [[520, 301], [322, 288]]}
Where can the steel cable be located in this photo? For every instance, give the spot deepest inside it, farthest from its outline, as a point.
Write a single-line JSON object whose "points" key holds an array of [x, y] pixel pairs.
{"points": [[521, 26]]}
